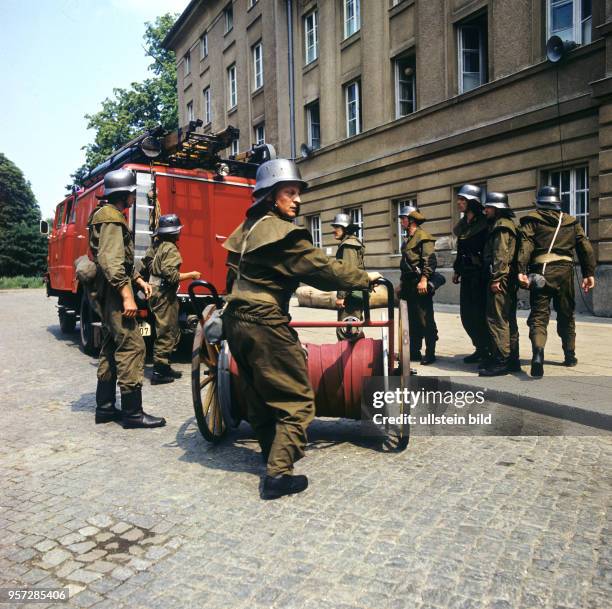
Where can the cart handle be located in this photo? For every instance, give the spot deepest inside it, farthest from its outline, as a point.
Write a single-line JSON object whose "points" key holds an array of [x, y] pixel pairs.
{"points": [[200, 283]]}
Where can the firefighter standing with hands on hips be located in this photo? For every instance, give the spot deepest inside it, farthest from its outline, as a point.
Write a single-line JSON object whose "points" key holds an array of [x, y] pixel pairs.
{"points": [[499, 258], [351, 251], [122, 354], [162, 262], [268, 257], [471, 232], [417, 267], [549, 239]]}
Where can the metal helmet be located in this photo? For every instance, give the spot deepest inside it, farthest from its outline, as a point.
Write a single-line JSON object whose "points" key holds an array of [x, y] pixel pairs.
{"points": [[471, 192], [406, 210], [548, 198], [342, 220], [272, 173], [497, 199], [169, 224], [119, 180]]}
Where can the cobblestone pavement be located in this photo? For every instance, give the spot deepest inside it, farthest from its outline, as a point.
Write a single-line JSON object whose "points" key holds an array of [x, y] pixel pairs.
{"points": [[160, 519]]}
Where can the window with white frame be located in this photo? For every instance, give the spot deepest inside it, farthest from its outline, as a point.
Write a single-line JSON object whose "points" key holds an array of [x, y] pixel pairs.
{"points": [[311, 36], [353, 108], [472, 48], [352, 17], [189, 111], [570, 20], [232, 89], [235, 147], [356, 216], [257, 66], [401, 231], [315, 230], [252, 3], [573, 185], [405, 85], [228, 14], [313, 125], [260, 134], [206, 105], [187, 63], [204, 45]]}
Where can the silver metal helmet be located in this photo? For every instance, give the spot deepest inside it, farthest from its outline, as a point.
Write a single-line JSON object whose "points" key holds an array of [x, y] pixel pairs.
{"points": [[497, 199], [343, 220], [471, 192], [406, 210], [272, 173], [548, 198], [119, 180]]}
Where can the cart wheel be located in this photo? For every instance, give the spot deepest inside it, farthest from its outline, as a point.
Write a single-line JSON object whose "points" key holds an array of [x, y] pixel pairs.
{"points": [[204, 387], [404, 339]]}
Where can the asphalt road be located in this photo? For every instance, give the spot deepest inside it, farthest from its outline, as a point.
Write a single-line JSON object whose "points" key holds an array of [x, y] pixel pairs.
{"points": [[160, 519]]}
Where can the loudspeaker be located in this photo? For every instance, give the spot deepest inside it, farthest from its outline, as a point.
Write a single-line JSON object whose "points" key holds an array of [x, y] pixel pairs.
{"points": [[557, 49]]}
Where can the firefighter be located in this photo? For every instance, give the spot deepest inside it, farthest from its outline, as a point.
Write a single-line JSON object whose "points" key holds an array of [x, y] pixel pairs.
{"points": [[268, 257], [499, 259], [549, 238], [351, 251], [417, 267], [471, 233], [122, 353], [162, 262]]}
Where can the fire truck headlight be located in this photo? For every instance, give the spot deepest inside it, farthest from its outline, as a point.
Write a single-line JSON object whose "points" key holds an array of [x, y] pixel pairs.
{"points": [[222, 169]]}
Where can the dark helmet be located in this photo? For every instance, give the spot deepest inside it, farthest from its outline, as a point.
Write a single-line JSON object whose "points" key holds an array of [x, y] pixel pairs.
{"points": [[272, 173], [119, 180], [169, 224], [548, 198], [406, 210], [471, 193], [497, 199]]}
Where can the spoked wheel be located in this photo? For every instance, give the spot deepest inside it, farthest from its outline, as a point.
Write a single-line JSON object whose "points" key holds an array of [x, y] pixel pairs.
{"points": [[204, 383]]}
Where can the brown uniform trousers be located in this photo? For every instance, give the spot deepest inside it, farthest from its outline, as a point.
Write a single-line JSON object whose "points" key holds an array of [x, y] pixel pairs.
{"points": [[271, 362], [351, 251]]}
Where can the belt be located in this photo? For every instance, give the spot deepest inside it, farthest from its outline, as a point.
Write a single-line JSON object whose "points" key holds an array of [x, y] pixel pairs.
{"points": [[249, 291], [548, 258]]}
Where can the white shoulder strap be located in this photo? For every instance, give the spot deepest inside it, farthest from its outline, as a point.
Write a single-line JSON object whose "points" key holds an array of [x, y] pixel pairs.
{"points": [[552, 243]]}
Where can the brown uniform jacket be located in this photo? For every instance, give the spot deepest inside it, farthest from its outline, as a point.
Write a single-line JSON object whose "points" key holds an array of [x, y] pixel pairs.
{"points": [[538, 228], [499, 255], [418, 256], [163, 259], [351, 251], [278, 256]]}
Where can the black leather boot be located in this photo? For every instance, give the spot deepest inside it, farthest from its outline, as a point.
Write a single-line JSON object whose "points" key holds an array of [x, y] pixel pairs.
{"points": [[430, 354], [133, 416], [474, 358], [537, 363], [570, 359], [285, 484], [415, 355], [497, 367], [175, 373], [514, 363], [162, 373], [105, 402]]}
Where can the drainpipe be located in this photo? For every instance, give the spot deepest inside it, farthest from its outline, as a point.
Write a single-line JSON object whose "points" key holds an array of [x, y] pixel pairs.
{"points": [[291, 77]]}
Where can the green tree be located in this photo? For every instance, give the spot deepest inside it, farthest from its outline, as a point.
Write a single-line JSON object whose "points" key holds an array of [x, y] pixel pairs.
{"points": [[23, 250], [144, 105]]}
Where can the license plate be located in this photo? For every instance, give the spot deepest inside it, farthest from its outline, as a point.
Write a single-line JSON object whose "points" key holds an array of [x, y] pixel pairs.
{"points": [[145, 328]]}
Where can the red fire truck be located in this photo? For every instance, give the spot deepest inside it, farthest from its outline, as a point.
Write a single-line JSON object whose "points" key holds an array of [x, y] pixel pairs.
{"points": [[180, 173]]}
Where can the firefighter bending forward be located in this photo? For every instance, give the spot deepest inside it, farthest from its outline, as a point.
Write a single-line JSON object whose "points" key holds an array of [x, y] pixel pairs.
{"points": [[122, 354], [268, 257]]}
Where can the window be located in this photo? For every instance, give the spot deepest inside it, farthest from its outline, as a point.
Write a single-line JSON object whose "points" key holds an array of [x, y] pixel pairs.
{"points": [[228, 13], [206, 105], [405, 90], [70, 210], [187, 64], [232, 89], [189, 111], [573, 185], [352, 17], [401, 231], [257, 66], [235, 146], [472, 46], [313, 125], [570, 20], [315, 230], [58, 215], [252, 3], [353, 109], [260, 134], [356, 216], [311, 37], [204, 46]]}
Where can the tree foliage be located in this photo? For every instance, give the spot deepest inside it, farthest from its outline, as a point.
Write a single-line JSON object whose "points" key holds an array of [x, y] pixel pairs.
{"points": [[23, 250], [142, 106]]}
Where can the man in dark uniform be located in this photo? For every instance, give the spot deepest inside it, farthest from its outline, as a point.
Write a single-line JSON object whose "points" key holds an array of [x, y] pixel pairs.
{"points": [[417, 267], [122, 353], [471, 232], [499, 258], [351, 251], [549, 238]]}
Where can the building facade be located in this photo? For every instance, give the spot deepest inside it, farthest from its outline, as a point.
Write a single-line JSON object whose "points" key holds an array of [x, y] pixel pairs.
{"points": [[405, 100]]}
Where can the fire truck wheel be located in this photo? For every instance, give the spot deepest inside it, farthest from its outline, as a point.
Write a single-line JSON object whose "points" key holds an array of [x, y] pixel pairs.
{"points": [[87, 330], [67, 322], [204, 384]]}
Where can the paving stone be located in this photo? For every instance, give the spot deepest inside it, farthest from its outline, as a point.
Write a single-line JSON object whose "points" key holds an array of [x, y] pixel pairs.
{"points": [[139, 564], [45, 545], [133, 535], [92, 556], [101, 537], [102, 521], [122, 573], [121, 527], [89, 531], [84, 576], [83, 547], [87, 598], [102, 566], [67, 568], [56, 557], [71, 539]]}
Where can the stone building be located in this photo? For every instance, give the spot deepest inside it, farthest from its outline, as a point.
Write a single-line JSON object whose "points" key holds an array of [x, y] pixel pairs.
{"points": [[387, 101]]}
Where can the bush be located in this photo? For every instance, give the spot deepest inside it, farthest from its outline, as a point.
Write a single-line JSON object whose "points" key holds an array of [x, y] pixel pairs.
{"points": [[9, 283]]}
